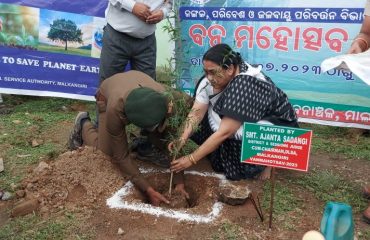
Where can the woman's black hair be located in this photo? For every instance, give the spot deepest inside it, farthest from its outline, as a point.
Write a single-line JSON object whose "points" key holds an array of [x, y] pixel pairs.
{"points": [[223, 55]]}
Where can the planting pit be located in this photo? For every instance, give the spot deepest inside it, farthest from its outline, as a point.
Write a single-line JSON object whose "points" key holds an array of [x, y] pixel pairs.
{"points": [[202, 206]]}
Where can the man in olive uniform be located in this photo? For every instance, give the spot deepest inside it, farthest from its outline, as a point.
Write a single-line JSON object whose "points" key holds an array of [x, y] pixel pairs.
{"points": [[130, 97]]}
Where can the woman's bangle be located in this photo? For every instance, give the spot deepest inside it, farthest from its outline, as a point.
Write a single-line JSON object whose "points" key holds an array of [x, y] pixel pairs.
{"points": [[191, 159], [364, 41]]}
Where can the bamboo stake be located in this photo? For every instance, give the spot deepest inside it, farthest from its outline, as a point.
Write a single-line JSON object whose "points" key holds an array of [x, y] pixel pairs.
{"points": [[171, 177], [272, 195]]}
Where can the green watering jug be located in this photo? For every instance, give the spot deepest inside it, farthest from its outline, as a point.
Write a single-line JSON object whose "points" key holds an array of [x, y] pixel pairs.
{"points": [[337, 222]]}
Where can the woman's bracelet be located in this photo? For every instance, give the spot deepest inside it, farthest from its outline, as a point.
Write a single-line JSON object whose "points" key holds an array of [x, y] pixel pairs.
{"points": [[191, 159], [364, 41]]}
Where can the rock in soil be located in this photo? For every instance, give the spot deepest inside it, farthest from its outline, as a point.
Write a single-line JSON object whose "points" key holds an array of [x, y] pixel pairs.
{"points": [[20, 193], [1, 164], [6, 196], [5, 109], [234, 195], [41, 167], [25, 207], [120, 231]]}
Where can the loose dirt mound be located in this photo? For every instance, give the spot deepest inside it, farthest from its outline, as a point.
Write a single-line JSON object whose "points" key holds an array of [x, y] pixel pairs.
{"points": [[79, 178], [85, 177]]}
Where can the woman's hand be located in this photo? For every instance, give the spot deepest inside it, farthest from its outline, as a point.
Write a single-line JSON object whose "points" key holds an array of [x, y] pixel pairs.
{"points": [[180, 164]]}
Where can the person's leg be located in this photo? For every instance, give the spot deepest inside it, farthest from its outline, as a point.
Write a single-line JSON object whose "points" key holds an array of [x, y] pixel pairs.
{"points": [[230, 151], [114, 57], [89, 134], [115, 53], [144, 60], [145, 55], [366, 214], [265, 174]]}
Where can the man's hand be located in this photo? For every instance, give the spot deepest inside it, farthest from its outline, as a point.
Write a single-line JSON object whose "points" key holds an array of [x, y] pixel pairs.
{"points": [[155, 17], [181, 189], [141, 11], [176, 145], [155, 197]]}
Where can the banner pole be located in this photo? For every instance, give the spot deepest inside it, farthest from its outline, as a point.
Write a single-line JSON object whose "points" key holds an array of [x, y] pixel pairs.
{"points": [[272, 196]]}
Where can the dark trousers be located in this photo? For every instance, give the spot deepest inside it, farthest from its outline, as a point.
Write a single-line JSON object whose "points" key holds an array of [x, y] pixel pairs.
{"points": [[120, 48]]}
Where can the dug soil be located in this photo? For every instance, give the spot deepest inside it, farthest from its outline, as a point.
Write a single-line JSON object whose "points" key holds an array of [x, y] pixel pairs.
{"points": [[82, 181]]}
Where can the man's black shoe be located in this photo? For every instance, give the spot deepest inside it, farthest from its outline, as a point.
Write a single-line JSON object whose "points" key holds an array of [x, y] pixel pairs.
{"points": [[156, 157]]}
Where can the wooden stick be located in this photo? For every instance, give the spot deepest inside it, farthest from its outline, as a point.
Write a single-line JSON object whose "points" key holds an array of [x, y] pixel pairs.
{"points": [[170, 188], [272, 195]]}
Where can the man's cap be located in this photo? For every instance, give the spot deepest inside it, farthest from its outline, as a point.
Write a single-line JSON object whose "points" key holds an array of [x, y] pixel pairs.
{"points": [[145, 107]]}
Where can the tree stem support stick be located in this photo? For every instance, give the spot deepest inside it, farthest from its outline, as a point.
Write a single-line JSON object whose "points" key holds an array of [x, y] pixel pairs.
{"points": [[272, 195]]}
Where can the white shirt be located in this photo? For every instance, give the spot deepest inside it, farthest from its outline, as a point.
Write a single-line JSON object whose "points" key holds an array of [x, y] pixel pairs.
{"points": [[205, 90], [119, 15]]}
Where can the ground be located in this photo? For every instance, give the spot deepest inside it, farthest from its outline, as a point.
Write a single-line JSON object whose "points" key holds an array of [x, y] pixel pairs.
{"points": [[72, 188]]}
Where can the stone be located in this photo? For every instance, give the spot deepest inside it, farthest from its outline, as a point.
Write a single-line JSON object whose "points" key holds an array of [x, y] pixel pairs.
{"points": [[25, 207], [41, 167], [23, 155], [120, 231], [1, 165], [234, 195], [36, 143], [20, 193], [6, 196]]}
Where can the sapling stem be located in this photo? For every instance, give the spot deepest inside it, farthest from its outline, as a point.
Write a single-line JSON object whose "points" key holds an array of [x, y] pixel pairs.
{"points": [[171, 178]]}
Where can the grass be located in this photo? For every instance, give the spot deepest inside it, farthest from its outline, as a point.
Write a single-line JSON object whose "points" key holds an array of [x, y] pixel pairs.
{"points": [[328, 186], [284, 199], [34, 227], [340, 141], [365, 235], [228, 231], [286, 205]]}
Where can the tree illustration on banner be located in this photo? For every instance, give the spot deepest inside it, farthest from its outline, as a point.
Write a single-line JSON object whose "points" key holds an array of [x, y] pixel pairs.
{"points": [[65, 31]]}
